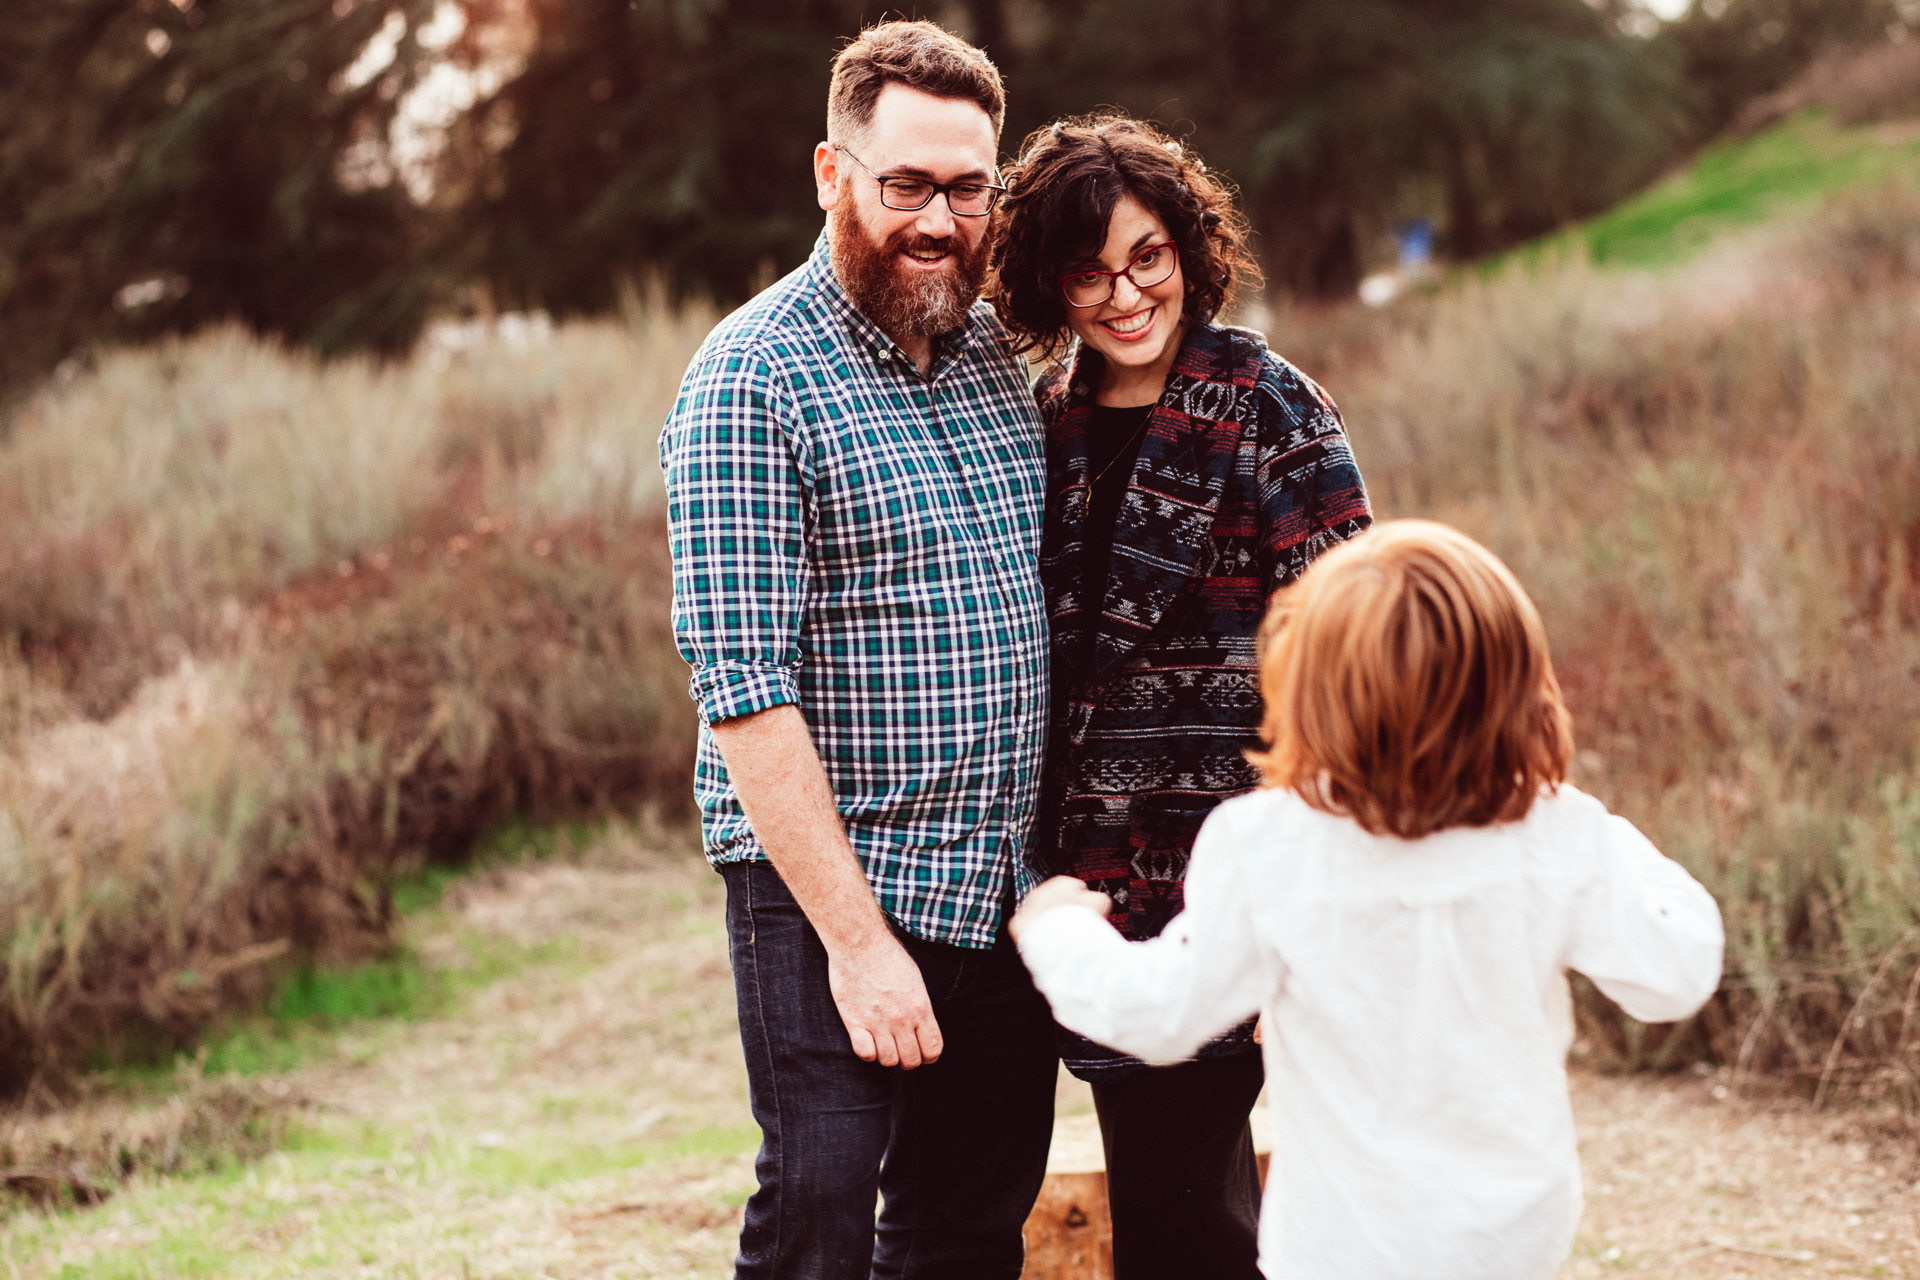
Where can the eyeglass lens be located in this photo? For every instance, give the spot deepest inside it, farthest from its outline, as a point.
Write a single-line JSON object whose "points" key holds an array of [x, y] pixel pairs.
{"points": [[904, 195], [1091, 288]]}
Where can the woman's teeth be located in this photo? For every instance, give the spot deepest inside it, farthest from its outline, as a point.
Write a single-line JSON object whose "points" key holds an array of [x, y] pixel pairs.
{"points": [[1131, 324]]}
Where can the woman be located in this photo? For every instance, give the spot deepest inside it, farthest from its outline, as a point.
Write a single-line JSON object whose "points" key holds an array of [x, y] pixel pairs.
{"points": [[1190, 473]]}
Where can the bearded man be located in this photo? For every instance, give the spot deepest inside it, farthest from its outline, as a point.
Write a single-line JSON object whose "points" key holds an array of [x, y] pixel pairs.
{"points": [[854, 485]]}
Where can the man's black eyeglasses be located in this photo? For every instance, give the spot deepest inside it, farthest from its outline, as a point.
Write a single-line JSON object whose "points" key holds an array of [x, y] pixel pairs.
{"points": [[967, 199]]}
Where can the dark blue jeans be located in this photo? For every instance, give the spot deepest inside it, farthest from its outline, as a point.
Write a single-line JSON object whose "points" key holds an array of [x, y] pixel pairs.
{"points": [[956, 1150]]}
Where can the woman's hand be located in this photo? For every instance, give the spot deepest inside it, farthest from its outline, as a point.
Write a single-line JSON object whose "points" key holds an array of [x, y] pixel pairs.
{"points": [[1061, 891]]}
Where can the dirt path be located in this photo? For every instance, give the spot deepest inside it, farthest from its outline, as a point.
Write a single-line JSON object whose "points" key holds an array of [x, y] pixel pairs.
{"points": [[1683, 1179], [584, 1116]]}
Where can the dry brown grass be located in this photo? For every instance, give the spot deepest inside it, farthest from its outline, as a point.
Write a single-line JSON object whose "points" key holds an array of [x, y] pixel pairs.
{"points": [[583, 1116], [272, 634], [81, 1154], [1858, 85], [318, 625], [1710, 481]]}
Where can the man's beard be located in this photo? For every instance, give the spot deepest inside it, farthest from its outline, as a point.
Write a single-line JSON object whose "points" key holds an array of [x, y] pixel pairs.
{"points": [[905, 303]]}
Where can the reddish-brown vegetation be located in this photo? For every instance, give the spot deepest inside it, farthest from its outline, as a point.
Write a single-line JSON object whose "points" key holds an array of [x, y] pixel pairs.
{"points": [[1710, 480], [271, 634], [216, 757]]}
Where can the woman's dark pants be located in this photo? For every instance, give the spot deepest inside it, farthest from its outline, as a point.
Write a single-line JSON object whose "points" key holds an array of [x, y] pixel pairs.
{"points": [[1182, 1182], [956, 1149]]}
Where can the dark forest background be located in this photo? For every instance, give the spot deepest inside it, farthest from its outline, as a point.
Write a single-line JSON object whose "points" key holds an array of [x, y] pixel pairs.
{"points": [[165, 164]]}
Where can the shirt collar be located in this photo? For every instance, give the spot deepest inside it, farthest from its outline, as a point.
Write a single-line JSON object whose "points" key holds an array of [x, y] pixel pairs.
{"points": [[885, 351]]}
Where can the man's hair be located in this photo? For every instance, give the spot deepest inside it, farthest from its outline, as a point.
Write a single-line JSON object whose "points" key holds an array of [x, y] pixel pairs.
{"points": [[1408, 686], [919, 55], [1061, 194]]}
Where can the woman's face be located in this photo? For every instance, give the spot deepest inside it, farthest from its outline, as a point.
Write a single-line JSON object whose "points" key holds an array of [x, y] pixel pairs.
{"points": [[1137, 330]]}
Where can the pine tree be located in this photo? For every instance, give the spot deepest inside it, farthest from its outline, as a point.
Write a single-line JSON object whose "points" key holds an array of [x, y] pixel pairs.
{"points": [[664, 137], [215, 155], [1733, 51], [1503, 117]]}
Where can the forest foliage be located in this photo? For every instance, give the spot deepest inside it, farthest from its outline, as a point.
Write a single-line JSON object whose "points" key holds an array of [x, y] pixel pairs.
{"points": [[332, 172]]}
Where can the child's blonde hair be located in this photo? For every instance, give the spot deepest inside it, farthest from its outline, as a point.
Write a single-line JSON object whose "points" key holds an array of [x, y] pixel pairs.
{"points": [[1408, 685]]}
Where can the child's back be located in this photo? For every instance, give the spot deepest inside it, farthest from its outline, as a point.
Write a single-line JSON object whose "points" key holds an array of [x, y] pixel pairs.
{"points": [[1416, 1015], [1401, 906]]}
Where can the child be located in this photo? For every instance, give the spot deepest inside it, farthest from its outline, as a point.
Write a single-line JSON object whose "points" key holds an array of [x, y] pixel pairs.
{"points": [[1400, 903]]}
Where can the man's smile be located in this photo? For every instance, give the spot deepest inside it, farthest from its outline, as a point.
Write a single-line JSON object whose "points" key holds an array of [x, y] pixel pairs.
{"points": [[927, 255]]}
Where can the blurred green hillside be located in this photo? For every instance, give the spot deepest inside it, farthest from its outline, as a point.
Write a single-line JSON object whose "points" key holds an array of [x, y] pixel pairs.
{"points": [[1742, 182]]}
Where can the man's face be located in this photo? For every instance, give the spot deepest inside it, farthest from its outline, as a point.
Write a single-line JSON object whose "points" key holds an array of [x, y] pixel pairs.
{"points": [[914, 274]]}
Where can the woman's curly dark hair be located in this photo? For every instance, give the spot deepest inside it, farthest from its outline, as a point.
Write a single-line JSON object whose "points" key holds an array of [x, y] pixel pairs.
{"points": [[1061, 192]]}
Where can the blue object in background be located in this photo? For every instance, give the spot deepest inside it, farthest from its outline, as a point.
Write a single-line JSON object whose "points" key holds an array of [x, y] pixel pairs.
{"points": [[1416, 243]]}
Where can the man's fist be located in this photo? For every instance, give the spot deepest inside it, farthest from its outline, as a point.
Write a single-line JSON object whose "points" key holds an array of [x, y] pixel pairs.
{"points": [[883, 1001]]}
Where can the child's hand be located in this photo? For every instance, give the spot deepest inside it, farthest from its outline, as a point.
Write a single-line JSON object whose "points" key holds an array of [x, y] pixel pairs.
{"points": [[1061, 891]]}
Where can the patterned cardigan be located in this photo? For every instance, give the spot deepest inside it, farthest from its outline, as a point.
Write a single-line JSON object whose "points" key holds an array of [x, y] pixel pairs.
{"points": [[1244, 476]]}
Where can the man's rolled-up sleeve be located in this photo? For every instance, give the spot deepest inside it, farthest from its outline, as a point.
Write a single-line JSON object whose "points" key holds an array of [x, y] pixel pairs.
{"points": [[736, 525]]}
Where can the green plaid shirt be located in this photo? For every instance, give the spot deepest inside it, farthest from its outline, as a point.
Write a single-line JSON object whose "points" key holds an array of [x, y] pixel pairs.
{"points": [[863, 541]]}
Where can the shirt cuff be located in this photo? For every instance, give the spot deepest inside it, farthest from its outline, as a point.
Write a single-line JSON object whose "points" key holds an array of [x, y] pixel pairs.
{"points": [[724, 690], [1056, 941]]}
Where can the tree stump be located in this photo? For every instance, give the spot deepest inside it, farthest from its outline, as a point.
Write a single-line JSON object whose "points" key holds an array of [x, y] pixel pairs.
{"points": [[1070, 1233]]}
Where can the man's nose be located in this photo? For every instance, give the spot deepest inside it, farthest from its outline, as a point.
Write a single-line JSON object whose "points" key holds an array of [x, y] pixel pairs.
{"points": [[936, 218]]}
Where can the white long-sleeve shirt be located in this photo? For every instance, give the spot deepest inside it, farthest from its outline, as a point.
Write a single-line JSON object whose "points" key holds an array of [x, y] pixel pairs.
{"points": [[1417, 1016]]}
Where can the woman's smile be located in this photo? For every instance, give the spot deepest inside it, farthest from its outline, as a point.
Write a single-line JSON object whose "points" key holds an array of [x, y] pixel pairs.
{"points": [[1131, 328]]}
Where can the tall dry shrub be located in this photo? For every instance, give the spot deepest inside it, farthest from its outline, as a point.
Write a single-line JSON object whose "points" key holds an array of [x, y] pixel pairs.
{"points": [[273, 632], [121, 843], [169, 479], [1710, 481]]}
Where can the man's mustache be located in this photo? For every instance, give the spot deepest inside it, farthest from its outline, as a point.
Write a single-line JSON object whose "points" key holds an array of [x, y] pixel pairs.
{"points": [[907, 243]]}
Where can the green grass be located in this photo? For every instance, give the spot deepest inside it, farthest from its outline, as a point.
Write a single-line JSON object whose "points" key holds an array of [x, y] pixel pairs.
{"points": [[379, 1178], [504, 844], [543, 1164], [297, 1024], [393, 986], [312, 1002], [315, 1001], [1741, 182], [309, 1004]]}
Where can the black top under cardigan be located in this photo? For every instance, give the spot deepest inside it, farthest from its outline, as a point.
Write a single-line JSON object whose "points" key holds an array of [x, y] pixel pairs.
{"points": [[1244, 475]]}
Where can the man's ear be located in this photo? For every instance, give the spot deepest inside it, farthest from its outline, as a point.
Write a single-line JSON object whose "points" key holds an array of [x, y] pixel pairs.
{"points": [[826, 175]]}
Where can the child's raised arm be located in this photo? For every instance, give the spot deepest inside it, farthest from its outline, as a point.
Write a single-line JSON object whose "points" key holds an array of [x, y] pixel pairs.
{"points": [[1644, 930], [1162, 999]]}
